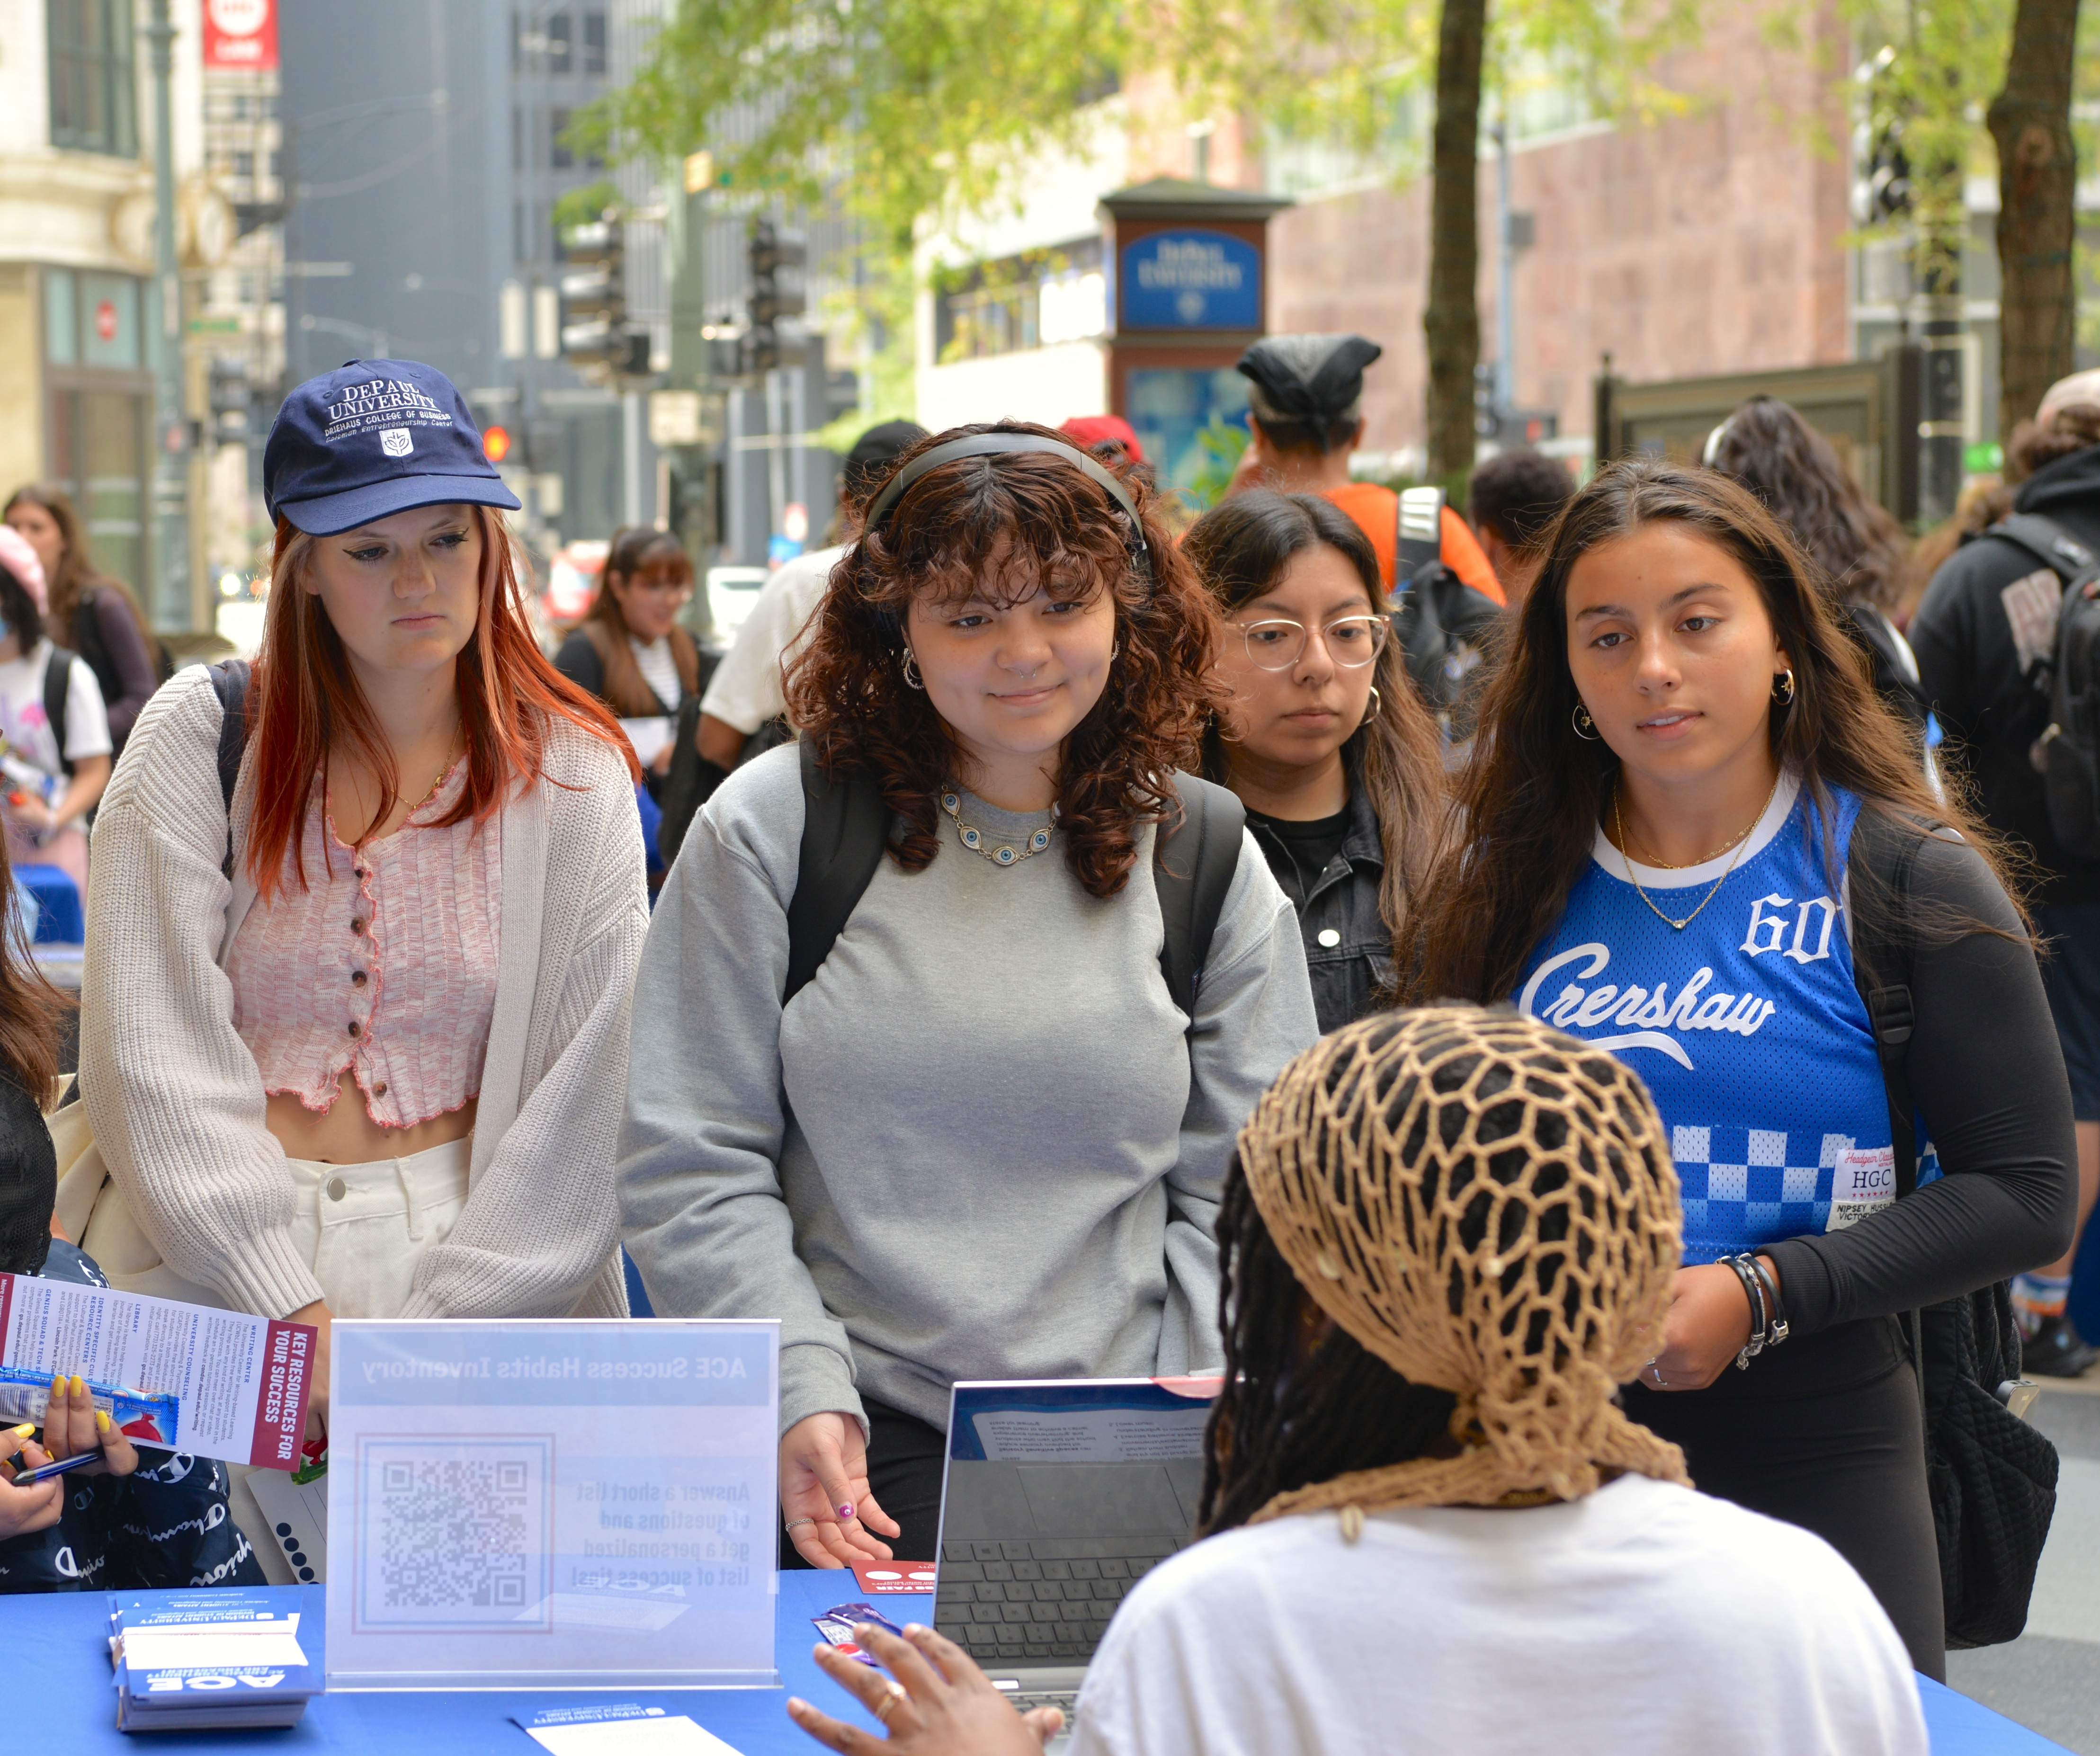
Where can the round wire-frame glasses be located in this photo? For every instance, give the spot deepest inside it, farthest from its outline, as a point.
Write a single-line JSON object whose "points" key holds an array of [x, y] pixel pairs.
{"points": [[1353, 641]]}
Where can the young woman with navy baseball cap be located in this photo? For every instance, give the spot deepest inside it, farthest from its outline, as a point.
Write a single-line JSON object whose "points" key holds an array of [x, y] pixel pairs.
{"points": [[355, 1039]]}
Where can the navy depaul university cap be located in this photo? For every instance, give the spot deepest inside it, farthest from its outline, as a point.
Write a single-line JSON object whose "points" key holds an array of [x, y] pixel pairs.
{"points": [[373, 438]]}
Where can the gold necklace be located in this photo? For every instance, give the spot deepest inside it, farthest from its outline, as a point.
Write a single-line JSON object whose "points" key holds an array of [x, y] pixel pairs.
{"points": [[1672, 866], [1619, 824]]}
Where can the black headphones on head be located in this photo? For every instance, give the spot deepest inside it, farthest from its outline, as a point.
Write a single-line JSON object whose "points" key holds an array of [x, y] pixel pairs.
{"points": [[1008, 444]]}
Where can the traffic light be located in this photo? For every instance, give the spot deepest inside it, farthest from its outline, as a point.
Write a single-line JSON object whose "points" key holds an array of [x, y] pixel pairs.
{"points": [[1522, 426], [495, 443], [595, 336], [777, 259], [231, 395]]}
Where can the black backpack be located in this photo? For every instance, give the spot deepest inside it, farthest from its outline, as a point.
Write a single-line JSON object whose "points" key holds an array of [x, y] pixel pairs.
{"points": [[2067, 684], [1992, 1476], [1443, 625], [1901, 692], [846, 829]]}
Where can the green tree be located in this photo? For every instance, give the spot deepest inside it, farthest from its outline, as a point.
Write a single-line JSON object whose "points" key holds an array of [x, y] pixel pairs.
{"points": [[1357, 72], [919, 110], [898, 112]]}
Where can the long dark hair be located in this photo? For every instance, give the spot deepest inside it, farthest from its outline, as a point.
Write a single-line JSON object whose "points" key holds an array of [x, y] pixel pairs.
{"points": [[1241, 548], [847, 693], [1291, 1415], [75, 576], [1857, 547], [627, 691], [1534, 794]]}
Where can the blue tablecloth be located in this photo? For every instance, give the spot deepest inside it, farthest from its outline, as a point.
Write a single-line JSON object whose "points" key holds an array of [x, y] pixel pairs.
{"points": [[59, 920], [59, 1700]]}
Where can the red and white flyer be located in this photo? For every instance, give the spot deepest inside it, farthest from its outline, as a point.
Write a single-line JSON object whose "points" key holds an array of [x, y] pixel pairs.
{"points": [[214, 1383]]}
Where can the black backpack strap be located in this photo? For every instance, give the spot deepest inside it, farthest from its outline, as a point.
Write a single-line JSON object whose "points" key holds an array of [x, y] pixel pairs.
{"points": [[2048, 541], [1195, 858], [229, 682], [1883, 960], [845, 828], [58, 687], [1882, 956]]}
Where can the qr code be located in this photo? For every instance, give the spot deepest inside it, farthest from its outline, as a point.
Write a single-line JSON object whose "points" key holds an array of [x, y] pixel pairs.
{"points": [[454, 1533]]}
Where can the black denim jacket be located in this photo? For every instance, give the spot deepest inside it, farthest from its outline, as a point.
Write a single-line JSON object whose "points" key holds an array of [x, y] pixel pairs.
{"points": [[1348, 952]]}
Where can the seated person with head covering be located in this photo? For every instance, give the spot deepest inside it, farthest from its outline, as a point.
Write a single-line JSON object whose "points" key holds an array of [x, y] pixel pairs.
{"points": [[1448, 1237]]}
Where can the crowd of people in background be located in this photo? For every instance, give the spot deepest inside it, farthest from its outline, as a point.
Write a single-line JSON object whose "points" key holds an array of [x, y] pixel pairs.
{"points": [[1055, 942]]}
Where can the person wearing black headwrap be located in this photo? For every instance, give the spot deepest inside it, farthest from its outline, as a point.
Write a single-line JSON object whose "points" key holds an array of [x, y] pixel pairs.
{"points": [[1305, 395]]}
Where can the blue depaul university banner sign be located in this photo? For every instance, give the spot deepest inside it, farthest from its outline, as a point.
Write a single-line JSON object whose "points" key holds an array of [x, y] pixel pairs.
{"points": [[1191, 279]]}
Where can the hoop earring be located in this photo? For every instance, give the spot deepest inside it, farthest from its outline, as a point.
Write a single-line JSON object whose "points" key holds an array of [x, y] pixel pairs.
{"points": [[1783, 687], [1378, 706], [1115, 651], [1580, 718], [912, 679]]}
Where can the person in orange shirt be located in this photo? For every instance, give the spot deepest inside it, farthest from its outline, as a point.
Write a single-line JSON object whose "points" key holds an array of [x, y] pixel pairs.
{"points": [[1305, 413]]}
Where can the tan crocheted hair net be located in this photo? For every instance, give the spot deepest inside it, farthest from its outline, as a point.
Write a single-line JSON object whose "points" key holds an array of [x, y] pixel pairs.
{"points": [[1489, 1207]]}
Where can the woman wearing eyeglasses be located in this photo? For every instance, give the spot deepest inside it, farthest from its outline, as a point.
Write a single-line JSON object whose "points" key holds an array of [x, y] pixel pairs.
{"points": [[630, 652], [1325, 741]]}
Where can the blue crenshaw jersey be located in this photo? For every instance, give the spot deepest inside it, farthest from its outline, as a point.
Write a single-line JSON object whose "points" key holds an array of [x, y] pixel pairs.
{"points": [[1745, 1024]]}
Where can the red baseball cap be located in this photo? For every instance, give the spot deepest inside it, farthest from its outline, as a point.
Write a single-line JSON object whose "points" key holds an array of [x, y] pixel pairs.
{"points": [[1090, 430]]}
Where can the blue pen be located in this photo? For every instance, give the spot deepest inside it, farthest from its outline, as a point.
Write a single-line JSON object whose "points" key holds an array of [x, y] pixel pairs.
{"points": [[29, 1477]]}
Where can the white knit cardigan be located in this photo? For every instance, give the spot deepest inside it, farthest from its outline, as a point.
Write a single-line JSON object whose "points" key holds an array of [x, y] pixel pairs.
{"points": [[175, 1098]]}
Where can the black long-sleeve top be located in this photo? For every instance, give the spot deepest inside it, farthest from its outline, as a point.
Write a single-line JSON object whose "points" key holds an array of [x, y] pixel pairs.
{"points": [[1987, 1077]]}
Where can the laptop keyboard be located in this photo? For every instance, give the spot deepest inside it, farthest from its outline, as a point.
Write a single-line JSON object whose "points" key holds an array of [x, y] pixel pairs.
{"points": [[1045, 1598], [1067, 1701]]}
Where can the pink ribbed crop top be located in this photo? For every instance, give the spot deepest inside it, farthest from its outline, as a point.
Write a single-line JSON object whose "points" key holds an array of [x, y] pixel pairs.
{"points": [[384, 966]]}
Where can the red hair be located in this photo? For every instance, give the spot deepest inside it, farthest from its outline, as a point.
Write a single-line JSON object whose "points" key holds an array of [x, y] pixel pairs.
{"points": [[303, 698]]}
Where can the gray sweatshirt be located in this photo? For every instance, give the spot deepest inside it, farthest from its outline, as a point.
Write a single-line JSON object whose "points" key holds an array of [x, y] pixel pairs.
{"points": [[972, 1147]]}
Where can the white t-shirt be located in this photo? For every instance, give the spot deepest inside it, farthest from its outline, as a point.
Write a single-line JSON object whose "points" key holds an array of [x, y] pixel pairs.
{"points": [[658, 668], [1643, 1617], [745, 689], [28, 735]]}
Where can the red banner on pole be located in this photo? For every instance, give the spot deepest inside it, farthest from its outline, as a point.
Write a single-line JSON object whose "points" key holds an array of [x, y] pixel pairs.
{"points": [[241, 36]]}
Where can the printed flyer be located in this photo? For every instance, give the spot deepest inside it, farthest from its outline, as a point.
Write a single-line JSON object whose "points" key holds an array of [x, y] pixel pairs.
{"points": [[191, 1378]]}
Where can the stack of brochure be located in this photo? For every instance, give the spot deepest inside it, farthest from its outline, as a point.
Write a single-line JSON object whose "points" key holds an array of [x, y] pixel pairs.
{"points": [[209, 1659]]}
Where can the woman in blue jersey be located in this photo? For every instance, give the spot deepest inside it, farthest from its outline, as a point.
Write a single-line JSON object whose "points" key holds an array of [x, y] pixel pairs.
{"points": [[1673, 764]]}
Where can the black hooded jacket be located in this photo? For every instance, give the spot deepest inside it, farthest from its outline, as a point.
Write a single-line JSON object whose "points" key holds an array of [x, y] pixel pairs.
{"points": [[1977, 684]]}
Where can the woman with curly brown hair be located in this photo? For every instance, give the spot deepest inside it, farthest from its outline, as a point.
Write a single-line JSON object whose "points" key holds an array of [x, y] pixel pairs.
{"points": [[982, 1140]]}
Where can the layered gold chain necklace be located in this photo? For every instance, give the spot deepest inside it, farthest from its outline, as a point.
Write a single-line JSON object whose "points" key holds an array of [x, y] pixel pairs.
{"points": [[1738, 842]]}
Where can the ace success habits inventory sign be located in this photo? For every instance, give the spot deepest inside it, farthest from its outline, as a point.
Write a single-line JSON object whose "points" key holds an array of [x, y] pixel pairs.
{"points": [[552, 1504]]}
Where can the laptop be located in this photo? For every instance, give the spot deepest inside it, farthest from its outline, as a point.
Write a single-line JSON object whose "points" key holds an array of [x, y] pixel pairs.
{"points": [[1059, 1495]]}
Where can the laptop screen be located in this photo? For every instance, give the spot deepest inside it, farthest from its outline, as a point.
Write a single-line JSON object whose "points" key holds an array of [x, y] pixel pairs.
{"points": [[1059, 1496]]}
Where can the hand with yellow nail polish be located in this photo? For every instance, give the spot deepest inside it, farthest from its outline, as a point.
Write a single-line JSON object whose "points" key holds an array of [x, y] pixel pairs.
{"points": [[36, 1507], [72, 1424]]}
